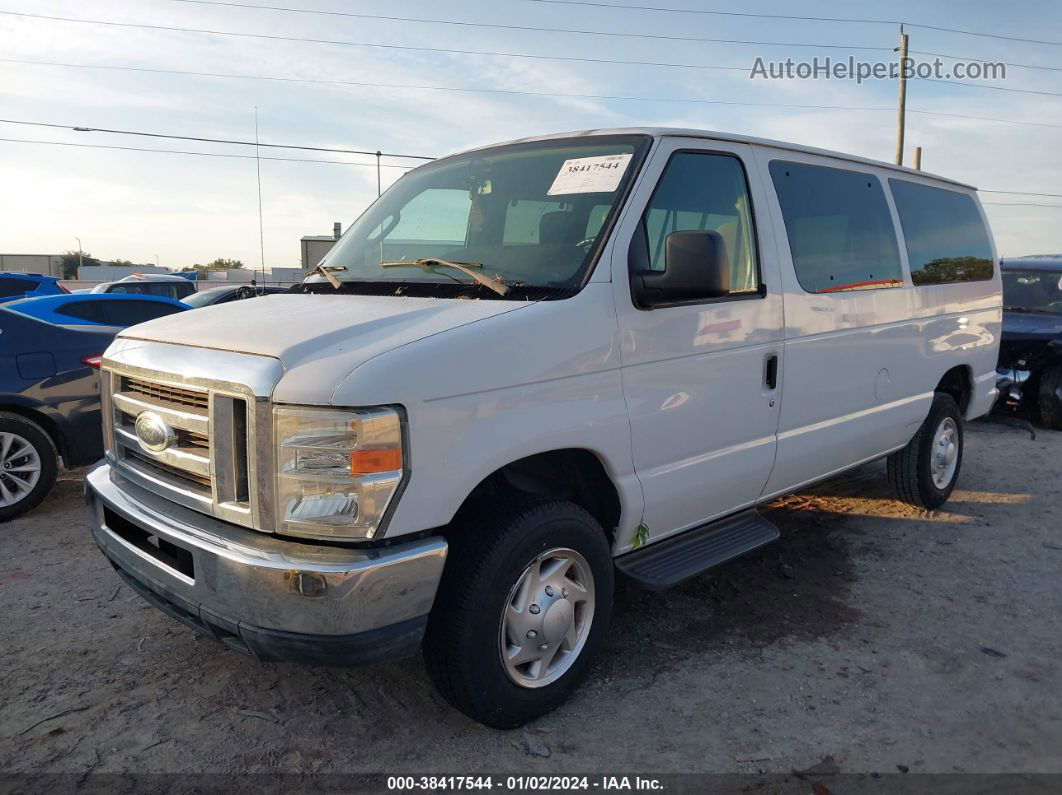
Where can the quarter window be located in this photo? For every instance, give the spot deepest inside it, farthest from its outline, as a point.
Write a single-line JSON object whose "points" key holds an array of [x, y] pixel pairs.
{"points": [[706, 192], [945, 236], [840, 231]]}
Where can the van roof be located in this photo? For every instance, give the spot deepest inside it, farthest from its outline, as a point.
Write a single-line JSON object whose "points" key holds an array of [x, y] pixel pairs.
{"points": [[715, 135]]}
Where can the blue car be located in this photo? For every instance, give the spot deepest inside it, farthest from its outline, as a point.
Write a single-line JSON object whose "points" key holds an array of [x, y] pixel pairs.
{"points": [[1030, 348], [24, 285], [106, 310], [49, 405]]}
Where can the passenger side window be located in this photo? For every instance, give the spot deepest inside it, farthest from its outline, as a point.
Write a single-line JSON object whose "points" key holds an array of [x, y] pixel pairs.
{"points": [[705, 191], [840, 231], [945, 236]]}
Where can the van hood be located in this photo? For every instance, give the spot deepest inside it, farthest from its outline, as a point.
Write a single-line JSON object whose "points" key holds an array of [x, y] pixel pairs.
{"points": [[344, 330]]}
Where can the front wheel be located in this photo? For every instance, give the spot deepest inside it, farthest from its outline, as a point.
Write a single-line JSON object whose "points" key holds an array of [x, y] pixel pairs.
{"points": [[924, 472], [522, 609]]}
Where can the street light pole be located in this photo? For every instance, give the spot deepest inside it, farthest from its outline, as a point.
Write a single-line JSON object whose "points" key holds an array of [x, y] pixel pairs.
{"points": [[78, 239]]}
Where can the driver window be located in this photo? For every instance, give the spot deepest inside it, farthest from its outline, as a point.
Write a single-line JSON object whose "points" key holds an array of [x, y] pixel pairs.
{"points": [[705, 192]]}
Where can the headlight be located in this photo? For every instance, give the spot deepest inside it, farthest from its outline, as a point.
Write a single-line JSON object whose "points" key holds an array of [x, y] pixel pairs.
{"points": [[337, 470]]}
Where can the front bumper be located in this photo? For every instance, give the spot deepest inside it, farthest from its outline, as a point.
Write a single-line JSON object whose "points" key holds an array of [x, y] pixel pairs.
{"points": [[271, 598]]}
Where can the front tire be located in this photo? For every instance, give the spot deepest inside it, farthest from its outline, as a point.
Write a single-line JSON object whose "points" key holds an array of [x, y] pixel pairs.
{"points": [[924, 473], [29, 465], [522, 610]]}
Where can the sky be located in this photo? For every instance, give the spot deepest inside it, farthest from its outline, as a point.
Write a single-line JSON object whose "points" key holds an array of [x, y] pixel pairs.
{"points": [[185, 209]]}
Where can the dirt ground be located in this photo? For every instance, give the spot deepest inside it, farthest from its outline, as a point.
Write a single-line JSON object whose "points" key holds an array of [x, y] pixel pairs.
{"points": [[871, 638]]}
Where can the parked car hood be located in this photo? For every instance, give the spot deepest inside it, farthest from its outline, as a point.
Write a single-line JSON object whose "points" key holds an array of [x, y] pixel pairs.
{"points": [[1025, 325], [346, 330]]}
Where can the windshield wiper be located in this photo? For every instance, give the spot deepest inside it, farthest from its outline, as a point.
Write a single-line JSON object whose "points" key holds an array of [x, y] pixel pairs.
{"points": [[1029, 309], [427, 263], [332, 280]]}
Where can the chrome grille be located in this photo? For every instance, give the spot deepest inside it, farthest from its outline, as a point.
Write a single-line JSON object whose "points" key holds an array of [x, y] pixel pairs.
{"points": [[156, 466], [206, 466], [170, 395]]}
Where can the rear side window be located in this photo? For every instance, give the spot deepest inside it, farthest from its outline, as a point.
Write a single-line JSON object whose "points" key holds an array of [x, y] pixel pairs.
{"points": [[840, 231], [129, 313], [93, 311], [945, 236], [10, 287]]}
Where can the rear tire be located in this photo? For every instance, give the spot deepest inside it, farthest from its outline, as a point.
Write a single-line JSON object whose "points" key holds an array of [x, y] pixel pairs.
{"points": [[924, 472], [522, 610], [1049, 397], [29, 464]]}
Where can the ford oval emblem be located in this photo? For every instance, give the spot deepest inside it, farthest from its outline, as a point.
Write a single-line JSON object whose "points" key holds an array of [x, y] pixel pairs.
{"points": [[153, 434]]}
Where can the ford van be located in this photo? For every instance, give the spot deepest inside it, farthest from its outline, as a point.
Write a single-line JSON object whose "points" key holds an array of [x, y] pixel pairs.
{"points": [[530, 369]]}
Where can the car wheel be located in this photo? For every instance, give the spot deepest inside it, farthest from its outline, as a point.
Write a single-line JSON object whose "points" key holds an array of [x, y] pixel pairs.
{"points": [[1049, 397], [28, 465], [924, 472], [522, 610]]}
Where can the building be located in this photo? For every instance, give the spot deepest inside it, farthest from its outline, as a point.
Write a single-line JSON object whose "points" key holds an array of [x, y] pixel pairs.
{"points": [[111, 273], [44, 264], [314, 247]]}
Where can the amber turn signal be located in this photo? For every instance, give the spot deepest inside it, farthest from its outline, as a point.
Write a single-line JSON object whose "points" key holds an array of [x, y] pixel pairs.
{"points": [[366, 462]]}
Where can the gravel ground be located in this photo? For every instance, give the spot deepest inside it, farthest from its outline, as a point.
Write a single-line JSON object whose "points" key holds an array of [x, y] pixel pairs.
{"points": [[873, 638]]}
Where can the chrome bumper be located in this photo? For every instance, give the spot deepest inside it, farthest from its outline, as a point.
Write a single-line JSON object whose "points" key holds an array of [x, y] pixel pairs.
{"points": [[269, 597]]}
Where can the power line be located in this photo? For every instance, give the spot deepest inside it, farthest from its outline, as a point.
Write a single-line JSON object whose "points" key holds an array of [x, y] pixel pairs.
{"points": [[718, 13], [451, 51], [345, 43], [988, 87], [302, 160], [199, 154], [584, 31], [985, 60], [856, 20], [498, 26], [1024, 193], [79, 128], [1022, 204], [504, 91]]}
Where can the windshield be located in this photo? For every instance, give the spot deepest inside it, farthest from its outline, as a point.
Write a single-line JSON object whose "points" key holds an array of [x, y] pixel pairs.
{"points": [[530, 215], [204, 297], [1033, 291]]}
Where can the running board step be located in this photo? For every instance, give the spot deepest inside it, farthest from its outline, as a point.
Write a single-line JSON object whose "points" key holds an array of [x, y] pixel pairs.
{"points": [[676, 559]]}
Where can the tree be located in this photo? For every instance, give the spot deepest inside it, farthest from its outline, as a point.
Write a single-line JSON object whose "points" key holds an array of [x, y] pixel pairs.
{"points": [[222, 264], [121, 263], [70, 262]]}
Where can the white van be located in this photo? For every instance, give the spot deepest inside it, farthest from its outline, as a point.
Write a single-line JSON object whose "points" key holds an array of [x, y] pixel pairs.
{"points": [[531, 367]]}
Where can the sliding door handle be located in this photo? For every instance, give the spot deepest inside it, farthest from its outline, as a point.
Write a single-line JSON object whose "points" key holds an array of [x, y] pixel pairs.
{"points": [[770, 374]]}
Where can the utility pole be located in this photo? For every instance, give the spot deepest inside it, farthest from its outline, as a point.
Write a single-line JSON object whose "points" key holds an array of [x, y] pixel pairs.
{"points": [[258, 168], [379, 183], [903, 98], [78, 239], [918, 158]]}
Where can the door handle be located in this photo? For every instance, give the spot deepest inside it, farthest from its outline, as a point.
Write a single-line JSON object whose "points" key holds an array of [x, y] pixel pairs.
{"points": [[770, 375]]}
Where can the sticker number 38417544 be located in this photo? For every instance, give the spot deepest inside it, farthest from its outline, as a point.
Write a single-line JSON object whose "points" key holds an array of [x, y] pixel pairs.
{"points": [[600, 174]]}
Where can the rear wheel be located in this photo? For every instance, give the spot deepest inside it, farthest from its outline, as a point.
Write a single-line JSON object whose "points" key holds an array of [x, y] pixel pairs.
{"points": [[924, 472], [522, 609], [1049, 397], [28, 465]]}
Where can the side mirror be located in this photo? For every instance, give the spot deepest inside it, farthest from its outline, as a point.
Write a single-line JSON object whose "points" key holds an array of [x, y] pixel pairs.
{"points": [[696, 267]]}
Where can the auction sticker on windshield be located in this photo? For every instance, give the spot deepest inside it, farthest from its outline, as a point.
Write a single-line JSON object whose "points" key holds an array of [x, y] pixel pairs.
{"points": [[600, 174]]}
